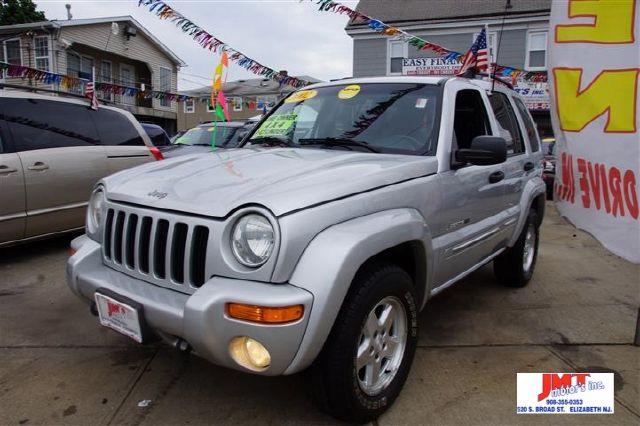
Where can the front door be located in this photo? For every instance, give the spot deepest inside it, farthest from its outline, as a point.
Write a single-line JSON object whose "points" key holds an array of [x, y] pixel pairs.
{"points": [[62, 158], [128, 79], [12, 197], [469, 222]]}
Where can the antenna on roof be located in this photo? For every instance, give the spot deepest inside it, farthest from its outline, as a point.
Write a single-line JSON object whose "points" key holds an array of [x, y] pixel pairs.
{"points": [[507, 6]]}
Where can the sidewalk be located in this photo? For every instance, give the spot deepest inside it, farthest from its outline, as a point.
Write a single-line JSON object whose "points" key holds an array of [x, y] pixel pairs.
{"points": [[578, 314]]}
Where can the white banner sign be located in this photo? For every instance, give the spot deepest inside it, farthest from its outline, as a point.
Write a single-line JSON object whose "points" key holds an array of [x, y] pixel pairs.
{"points": [[594, 65], [534, 95], [430, 66]]}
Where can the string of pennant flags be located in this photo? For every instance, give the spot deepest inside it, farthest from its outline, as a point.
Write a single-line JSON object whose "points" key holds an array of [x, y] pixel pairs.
{"points": [[165, 12], [420, 43], [76, 84]]}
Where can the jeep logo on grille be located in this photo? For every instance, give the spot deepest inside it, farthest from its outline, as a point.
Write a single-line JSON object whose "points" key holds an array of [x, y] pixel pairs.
{"points": [[157, 194]]}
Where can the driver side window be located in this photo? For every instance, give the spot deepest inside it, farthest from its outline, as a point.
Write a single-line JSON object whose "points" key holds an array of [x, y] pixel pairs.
{"points": [[470, 120]]}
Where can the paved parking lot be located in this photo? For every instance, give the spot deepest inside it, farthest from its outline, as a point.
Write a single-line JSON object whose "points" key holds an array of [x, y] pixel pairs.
{"points": [[57, 366]]}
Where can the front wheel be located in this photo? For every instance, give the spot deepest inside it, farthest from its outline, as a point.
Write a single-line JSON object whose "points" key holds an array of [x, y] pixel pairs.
{"points": [[367, 357], [514, 267]]}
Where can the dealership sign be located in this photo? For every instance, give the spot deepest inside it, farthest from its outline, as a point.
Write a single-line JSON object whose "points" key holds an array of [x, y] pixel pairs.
{"points": [[430, 66], [594, 68], [535, 95]]}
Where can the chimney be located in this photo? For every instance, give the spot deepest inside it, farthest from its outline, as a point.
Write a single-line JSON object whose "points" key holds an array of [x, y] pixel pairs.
{"points": [[284, 73], [69, 15]]}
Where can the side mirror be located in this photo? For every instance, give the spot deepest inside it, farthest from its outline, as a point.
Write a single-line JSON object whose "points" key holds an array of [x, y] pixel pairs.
{"points": [[484, 151]]}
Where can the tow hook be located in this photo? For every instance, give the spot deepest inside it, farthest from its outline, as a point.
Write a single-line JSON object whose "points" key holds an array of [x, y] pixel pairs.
{"points": [[183, 346]]}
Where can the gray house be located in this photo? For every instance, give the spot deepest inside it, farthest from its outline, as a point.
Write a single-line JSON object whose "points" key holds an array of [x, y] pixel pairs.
{"points": [[122, 51], [454, 24], [246, 98]]}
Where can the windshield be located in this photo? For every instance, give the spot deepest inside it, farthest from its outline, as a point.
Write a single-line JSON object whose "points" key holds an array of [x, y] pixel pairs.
{"points": [[398, 118], [206, 134]]}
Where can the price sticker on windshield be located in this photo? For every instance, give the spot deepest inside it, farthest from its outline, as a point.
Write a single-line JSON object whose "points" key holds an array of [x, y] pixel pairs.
{"points": [[349, 92], [300, 96], [276, 125]]}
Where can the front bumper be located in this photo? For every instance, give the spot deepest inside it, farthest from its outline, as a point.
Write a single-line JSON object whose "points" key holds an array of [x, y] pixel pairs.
{"points": [[198, 318]]}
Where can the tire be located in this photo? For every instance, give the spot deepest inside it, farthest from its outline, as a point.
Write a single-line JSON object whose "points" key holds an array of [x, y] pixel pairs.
{"points": [[345, 384], [514, 267]]}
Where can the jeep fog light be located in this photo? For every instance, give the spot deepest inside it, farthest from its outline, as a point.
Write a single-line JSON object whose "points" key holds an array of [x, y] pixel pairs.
{"points": [[249, 353], [252, 240]]}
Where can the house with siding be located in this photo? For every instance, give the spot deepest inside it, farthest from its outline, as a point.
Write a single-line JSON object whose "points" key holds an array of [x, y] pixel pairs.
{"points": [[122, 51], [245, 98], [517, 37]]}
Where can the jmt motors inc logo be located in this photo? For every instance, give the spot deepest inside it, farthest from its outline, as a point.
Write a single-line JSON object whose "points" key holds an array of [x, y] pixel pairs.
{"points": [[565, 393]]}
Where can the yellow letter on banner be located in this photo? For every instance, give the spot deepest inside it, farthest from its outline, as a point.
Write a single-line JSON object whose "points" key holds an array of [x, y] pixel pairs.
{"points": [[612, 22], [612, 91]]}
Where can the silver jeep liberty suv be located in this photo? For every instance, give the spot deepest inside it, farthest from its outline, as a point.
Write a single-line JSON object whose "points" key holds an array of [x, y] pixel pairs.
{"points": [[316, 245]]}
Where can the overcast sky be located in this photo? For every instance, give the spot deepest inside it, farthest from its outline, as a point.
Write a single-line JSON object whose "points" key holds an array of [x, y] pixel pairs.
{"points": [[287, 35]]}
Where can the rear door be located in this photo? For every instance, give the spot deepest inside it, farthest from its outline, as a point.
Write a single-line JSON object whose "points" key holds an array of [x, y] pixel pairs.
{"points": [[122, 139], [518, 164], [12, 196], [62, 158]]}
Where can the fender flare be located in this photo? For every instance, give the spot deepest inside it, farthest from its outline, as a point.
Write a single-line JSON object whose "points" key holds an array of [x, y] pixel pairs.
{"points": [[332, 259], [531, 193]]}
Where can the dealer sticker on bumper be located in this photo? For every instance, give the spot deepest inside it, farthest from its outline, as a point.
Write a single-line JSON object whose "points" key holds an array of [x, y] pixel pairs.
{"points": [[119, 316], [565, 393]]}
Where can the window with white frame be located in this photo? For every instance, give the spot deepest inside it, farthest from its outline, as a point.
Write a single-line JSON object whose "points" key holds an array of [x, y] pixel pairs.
{"points": [[397, 52], [13, 52], [189, 106], [165, 85], [536, 59], [106, 76], [266, 102], [41, 52], [236, 102]]}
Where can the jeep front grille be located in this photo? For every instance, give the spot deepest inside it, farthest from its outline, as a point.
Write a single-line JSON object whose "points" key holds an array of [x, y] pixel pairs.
{"points": [[162, 250]]}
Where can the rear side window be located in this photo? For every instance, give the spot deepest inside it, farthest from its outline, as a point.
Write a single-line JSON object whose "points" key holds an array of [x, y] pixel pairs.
{"points": [[508, 123], [158, 136], [42, 124], [116, 129], [528, 125]]}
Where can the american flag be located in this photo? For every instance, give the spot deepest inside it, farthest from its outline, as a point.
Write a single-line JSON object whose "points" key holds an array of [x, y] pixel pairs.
{"points": [[477, 56], [90, 92]]}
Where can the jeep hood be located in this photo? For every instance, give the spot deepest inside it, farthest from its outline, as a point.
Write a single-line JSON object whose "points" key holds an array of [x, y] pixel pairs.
{"points": [[280, 179]]}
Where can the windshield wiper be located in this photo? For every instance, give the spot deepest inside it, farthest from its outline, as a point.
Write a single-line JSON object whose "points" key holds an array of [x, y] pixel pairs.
{"points": [[337, 142], [270, 141]]}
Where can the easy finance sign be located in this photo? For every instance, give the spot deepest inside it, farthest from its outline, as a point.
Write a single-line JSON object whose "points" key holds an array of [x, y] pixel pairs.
{"points": [[594, 63]]}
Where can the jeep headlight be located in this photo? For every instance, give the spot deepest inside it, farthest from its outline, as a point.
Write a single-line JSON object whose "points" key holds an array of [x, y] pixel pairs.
{"points": [[95, 211], [252, 240]]}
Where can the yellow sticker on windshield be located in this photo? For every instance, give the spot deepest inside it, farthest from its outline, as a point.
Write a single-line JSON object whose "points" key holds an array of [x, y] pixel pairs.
{"points": [[211, 129], [276, 125], [300, 96], [349, 92]]}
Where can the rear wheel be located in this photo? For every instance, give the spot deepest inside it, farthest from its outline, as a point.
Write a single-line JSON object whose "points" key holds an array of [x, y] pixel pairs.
{"points": [[367, 357], [514, 267]]}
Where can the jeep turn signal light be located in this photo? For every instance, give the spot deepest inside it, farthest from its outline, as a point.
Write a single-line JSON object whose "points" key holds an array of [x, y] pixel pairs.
{"points": [[265, 314]]}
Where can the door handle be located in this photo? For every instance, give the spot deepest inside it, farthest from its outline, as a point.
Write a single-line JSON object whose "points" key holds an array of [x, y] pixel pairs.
{"points": [[38, 166], [496, 177], [528, 166], [5, 170]]}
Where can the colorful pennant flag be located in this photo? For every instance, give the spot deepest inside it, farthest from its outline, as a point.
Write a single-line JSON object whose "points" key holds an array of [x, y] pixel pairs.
{"points": [[208, 41]]}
